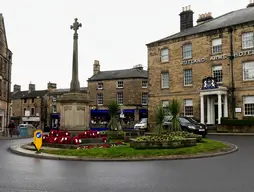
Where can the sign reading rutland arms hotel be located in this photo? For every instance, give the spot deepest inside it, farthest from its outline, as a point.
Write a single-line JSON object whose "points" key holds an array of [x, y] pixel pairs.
{"points": [[218, 57]]}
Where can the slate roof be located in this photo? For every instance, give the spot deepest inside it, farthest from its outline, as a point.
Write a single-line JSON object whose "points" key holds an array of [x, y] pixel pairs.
{"points": [[27, 94], [39, 93], [229, 19], [119, 74]]}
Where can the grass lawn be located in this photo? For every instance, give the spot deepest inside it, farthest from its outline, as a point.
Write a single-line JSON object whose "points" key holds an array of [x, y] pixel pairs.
{"points": [[127, 152]]}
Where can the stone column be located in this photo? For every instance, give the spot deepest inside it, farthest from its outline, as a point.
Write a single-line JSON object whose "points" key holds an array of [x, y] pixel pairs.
{"points": [[208, 110], [75, 86], [212, 111], [225, 106], [219, 108], [202, 115]]}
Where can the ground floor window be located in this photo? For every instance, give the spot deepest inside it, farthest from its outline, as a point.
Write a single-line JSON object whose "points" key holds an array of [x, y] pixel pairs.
{"points": [[188, 107], [248, 102]]}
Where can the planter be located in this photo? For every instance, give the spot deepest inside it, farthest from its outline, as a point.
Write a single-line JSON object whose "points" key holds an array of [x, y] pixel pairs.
{"points": [[163, 144]]}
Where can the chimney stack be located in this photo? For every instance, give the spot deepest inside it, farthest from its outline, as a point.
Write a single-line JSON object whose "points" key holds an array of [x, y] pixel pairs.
{"points": [[251, 4], [96, 67], [204, 18], [52, 86], [31, 87], [186, 18], [16, 88]]}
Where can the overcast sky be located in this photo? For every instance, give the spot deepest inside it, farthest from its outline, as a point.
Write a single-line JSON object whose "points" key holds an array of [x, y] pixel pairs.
{"points": [[114, 32]]}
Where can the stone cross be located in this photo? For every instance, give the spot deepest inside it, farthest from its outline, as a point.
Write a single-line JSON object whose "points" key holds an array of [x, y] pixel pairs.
{"points": [[75, 86], [76, 25]]}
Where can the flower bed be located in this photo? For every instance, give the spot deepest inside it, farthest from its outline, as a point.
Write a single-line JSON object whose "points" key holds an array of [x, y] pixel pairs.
{"points": [[64, 137], [126, 152], [166, 141]]}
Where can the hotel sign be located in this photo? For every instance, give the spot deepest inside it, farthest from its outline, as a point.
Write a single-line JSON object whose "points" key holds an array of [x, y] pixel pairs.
{"points": [[218, 57]]}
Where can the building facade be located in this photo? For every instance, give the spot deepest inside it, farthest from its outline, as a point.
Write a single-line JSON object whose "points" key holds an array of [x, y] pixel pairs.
{"points": [[28, 106], [5, 75], [53, 106], [208, 67], [129, 87]]}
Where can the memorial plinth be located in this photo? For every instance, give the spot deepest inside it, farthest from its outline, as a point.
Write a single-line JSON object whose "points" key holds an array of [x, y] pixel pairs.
{"points": [[74, 110], [74, 106]]}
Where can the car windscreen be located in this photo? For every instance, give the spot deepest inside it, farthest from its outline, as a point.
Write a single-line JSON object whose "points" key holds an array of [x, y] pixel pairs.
{"points": [[192, 120], [183, 120], [143, 121]]}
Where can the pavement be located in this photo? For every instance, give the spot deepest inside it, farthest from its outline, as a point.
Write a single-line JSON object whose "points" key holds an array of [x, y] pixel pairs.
{"points": [[227, 173]]}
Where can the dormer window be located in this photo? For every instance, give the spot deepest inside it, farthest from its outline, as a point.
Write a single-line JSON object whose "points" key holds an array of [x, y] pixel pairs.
{"points": [[100, 85], [164, 55]]}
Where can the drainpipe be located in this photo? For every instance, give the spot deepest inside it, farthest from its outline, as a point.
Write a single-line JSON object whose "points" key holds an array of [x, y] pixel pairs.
{"points": [[231, 58]]}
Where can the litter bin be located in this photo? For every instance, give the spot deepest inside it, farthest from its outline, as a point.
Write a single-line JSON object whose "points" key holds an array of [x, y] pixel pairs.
{"points": [[23, 132]]}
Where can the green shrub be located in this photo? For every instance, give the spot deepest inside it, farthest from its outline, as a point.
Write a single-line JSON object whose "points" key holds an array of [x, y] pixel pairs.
{"points": [[237, 122]]}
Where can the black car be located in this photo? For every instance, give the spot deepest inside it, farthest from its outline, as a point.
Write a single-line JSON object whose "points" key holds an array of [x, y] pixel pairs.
{"points": [[191, 125]]}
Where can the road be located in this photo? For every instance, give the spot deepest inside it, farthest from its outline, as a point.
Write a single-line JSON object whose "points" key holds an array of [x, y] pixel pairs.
{"points": [[229, 173]]}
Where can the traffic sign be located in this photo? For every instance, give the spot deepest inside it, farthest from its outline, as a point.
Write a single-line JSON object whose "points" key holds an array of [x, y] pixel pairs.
{"points": [[38, 139]]}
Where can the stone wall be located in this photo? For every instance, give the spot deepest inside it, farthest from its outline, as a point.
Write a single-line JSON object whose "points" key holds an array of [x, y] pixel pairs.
{"points": [[201, 48]]}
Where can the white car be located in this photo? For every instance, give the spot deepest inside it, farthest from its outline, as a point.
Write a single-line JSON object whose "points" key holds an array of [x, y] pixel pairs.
{"points": [[142, 124]]}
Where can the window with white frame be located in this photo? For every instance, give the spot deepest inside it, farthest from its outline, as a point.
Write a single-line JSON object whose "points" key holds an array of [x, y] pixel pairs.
{"points": [[187, 77], [217, 73], [187, 51], [248, 40], [144, 98], [144, 84], [216, 46], [164, 80], [119, 84], [248, 102], [188, 107], [164, 55], [99, 99], [248, 70], [100, 85], [164, 103], [119, 98]]}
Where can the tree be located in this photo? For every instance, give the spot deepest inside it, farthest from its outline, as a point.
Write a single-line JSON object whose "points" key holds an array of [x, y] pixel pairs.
{"points": [[113, 108], [174, 109], [159, 117]]}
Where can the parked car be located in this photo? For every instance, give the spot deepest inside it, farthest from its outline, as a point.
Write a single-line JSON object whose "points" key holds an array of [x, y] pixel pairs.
{"points": [[188, 124], [141, 125]]}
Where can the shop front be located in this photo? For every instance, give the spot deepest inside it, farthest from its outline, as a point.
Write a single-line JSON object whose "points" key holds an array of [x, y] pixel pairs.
{"points": [[99, 119], [143, 113], [54, 120], [34, 120]]}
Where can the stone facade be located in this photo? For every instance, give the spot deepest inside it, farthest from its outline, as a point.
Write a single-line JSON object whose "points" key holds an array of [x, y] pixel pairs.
{"points": [[132, 91], [201, 64], [28, 106], [128, 87], [5, 75]]}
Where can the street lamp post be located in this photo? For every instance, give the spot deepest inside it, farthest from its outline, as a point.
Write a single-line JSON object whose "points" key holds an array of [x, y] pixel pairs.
{"points": [[231, 58]]}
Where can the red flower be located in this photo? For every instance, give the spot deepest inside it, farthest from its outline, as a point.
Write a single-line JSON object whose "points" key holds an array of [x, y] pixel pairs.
{"points": [[106, 146], [104, 139], [60, 140], [76, 140], [67, 140], [90, 146]]}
